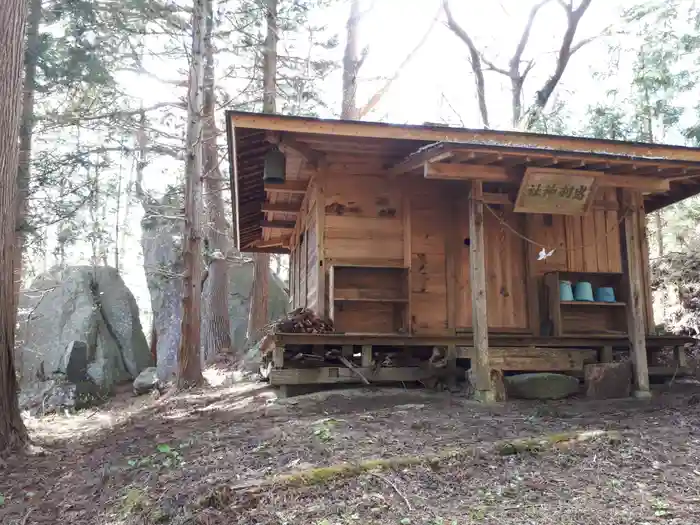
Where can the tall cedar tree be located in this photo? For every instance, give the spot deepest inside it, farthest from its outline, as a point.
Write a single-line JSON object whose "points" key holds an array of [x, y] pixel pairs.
{"points": [[261, 275], [216, 324], [13, 434], [189, 364]]}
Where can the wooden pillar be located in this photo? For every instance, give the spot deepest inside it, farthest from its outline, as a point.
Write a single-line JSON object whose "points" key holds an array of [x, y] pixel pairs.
{"points": [[367, 360], [632, 203], [321, 288], [477, 272]]}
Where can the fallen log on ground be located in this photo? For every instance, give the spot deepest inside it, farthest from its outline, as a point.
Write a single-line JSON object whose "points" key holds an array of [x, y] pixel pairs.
{"points": [[318, 475]]}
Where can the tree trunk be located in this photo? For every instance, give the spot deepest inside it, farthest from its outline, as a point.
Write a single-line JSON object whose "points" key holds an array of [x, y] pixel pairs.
{"points": [[189, 365], [261, 277], [13, 434], [351, 62], [216, 324], [26, 128]]}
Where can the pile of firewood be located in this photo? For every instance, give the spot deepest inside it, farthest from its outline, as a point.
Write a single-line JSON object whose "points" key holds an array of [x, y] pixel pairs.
{"points": [[301, 321]]}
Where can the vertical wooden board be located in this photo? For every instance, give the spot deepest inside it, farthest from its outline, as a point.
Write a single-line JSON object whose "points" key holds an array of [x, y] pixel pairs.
{"points": [[321, 272], [590, 254], [429, 217], [550, 234], [451, 255], [574, 243], [497, 256], [303, 271], [612, 224], [406, 212], [601, 247], [311, 260], [506, 256], [517, 274], [464, 308]]}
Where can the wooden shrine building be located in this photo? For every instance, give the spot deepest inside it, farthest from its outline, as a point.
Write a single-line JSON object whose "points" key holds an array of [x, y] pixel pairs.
{"points": [[413, 237]]}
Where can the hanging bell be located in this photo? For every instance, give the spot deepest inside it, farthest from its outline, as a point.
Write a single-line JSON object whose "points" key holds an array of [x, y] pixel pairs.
{"points": [[274, 168]]}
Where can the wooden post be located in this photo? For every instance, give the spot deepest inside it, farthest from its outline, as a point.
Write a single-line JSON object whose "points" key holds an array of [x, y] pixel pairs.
{"points": [[367, 356], [477, 270], [452, 260], [321, 288], [632, 202]]}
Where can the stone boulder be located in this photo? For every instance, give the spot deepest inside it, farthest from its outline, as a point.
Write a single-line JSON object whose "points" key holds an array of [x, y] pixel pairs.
{"points": [[239, 291], [82, 320], [146, 381], [541, 386], [608, 380]]}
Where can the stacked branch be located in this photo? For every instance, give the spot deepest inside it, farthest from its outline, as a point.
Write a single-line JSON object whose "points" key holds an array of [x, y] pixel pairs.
{"points": [[301, 321]]}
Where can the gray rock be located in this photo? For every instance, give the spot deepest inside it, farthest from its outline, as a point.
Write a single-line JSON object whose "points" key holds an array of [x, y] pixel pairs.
{"points": [[58, 394], [83, 319], [75, 362], [161, 242], [146, 381], [541, 386], [240, 287]]}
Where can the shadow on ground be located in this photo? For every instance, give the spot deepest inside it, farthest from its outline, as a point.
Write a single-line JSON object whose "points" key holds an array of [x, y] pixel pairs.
{"points": [[145, 460]]}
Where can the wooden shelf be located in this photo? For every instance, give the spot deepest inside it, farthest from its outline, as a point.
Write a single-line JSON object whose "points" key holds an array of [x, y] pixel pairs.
{"points": [[369, 298], [368, 295], [586, 317], [591, 303]]}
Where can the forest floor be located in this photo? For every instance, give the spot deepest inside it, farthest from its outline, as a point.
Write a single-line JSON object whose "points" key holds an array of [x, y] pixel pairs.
{"points": [[216, 456]]}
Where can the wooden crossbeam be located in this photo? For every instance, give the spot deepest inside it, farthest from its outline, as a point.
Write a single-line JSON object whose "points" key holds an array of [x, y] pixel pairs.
{"points": [[271, 243], [279, 225], [313, 158], [633, 182], [445, 171], [290, 186], [416, 160], [282, 207], [451, 171]]}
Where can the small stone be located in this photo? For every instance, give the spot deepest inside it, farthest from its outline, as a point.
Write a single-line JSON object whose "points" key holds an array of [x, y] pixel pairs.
{"points": [[146, 381], [541, 386]]}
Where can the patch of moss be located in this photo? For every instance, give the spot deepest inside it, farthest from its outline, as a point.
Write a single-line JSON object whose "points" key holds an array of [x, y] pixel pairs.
{"points": [[134, 502], [222, 496]]}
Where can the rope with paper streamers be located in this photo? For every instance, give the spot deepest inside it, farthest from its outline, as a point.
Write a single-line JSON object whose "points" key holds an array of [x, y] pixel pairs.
{"points": [[544, 253]]}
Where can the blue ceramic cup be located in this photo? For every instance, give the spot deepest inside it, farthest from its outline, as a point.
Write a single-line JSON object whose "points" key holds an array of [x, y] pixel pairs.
{"points": [[605, 294], [583, 291]]}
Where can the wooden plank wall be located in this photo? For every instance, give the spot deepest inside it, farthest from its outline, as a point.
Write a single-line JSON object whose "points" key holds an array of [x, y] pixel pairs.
{"points": [[590, 243], [429, 227], [303, 258], [363, 220], [377, 220], [363, 216]]}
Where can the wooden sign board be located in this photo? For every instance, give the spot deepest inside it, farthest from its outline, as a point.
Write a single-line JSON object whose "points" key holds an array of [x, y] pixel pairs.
{"points": [[552, 191]]}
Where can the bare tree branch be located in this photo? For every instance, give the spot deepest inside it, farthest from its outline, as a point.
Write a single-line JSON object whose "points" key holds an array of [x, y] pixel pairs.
{"points": [[565, 52], [475, 60], [374, 100]]}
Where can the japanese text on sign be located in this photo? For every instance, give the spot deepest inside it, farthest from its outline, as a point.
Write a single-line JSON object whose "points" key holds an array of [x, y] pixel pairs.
{"points": [[546, 190], [567, 191]]}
